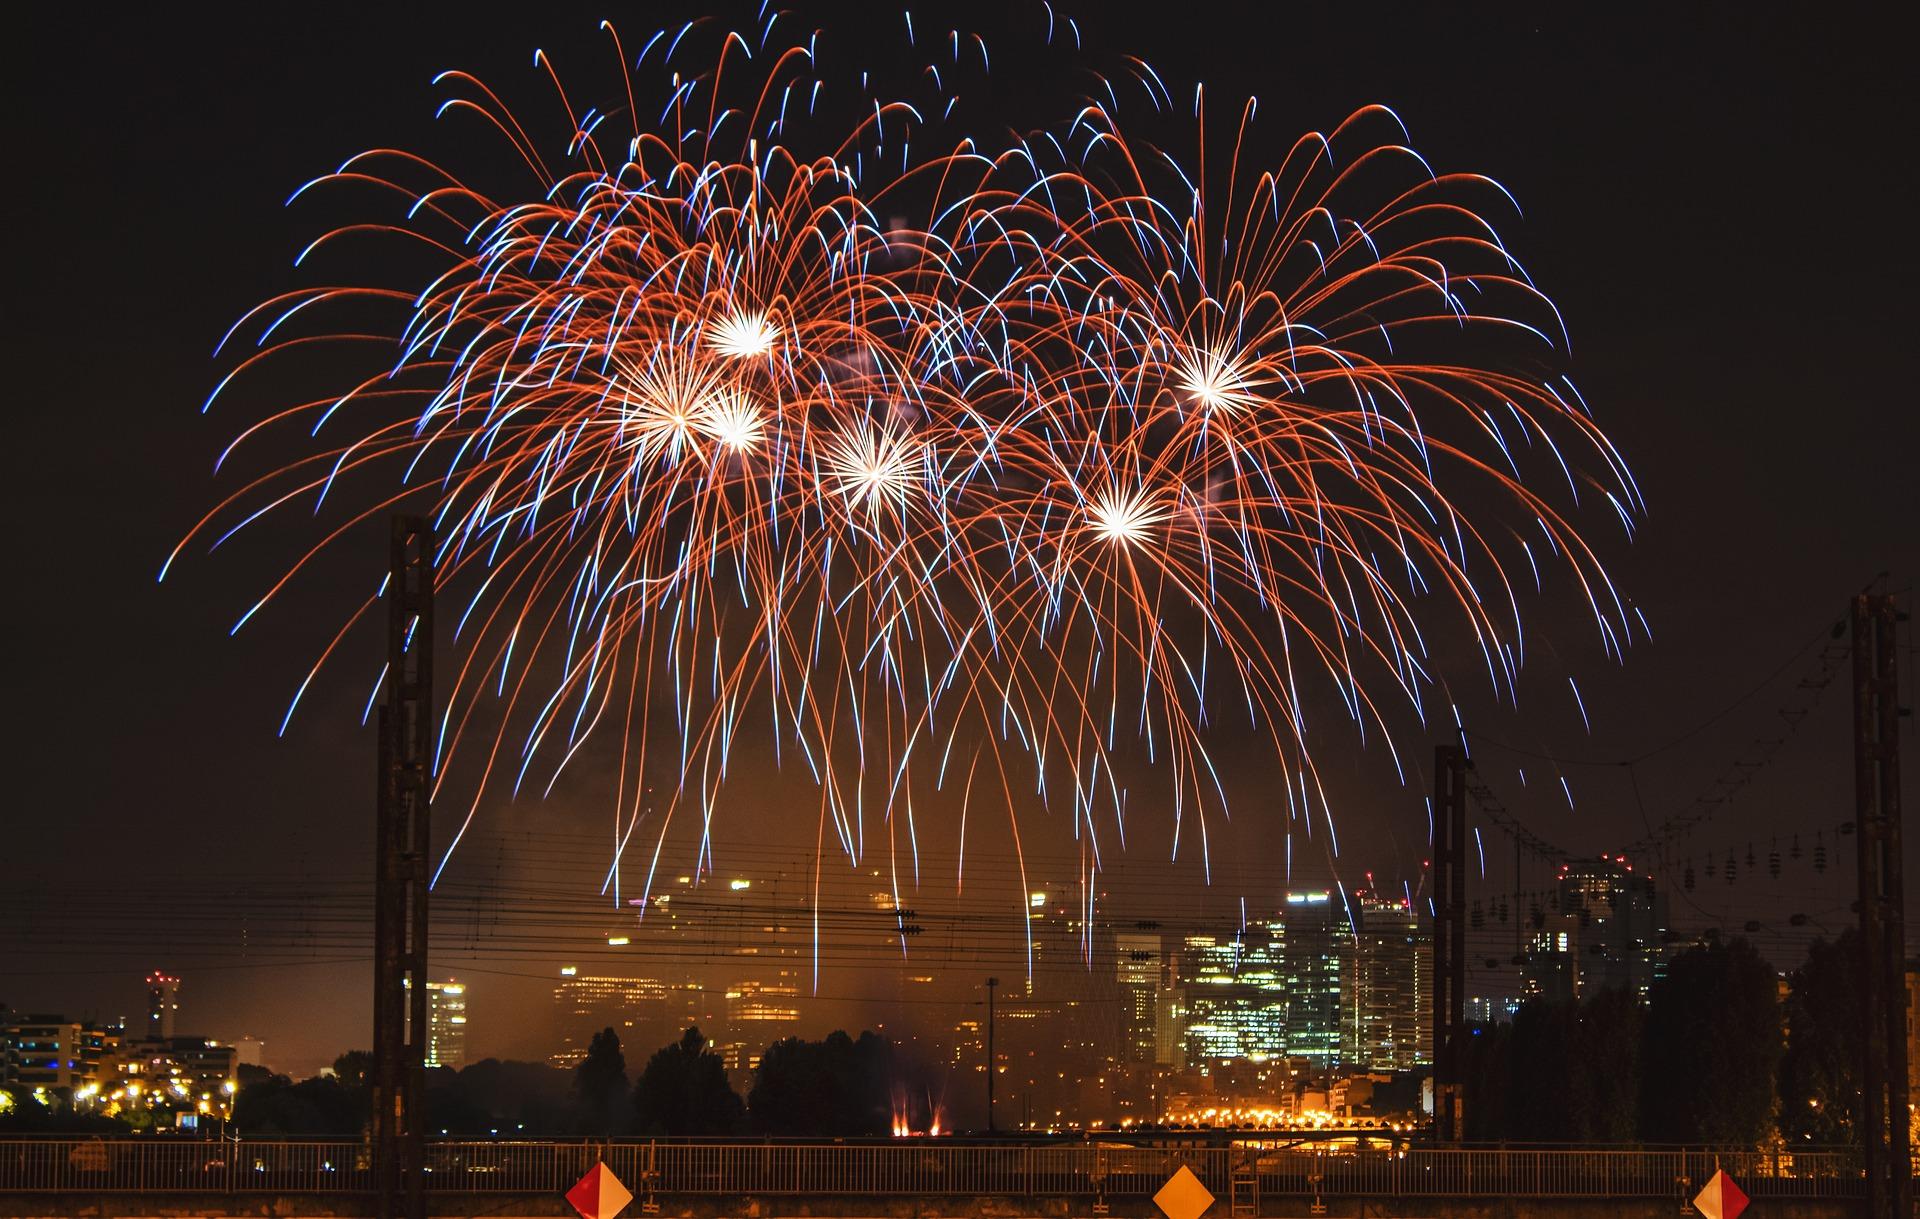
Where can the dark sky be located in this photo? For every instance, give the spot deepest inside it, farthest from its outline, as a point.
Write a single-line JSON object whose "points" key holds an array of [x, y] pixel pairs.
{"points": [[1720, 205]]}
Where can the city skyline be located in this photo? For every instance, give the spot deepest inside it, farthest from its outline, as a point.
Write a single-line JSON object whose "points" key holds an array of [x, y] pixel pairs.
{"points": [[1320, 989], [698, 953]]}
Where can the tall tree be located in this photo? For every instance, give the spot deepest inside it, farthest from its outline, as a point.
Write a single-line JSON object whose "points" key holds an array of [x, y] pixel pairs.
{"points": [[1562, 1072], [1488, 1071], [836, 1086], [1820, 1071], [600, 1084], [354, 1069], [1603, 1077], [1712, 1047], [684, 1090], [317, 1106], [528, 1097], [1541, 1057]]}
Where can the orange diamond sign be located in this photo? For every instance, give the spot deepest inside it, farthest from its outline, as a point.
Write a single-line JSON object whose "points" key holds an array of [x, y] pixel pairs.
{"points": [[599, 1195], [1721, 1199], [1183, 1197]]}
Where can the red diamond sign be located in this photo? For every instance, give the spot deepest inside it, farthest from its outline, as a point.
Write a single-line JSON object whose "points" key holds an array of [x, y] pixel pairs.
{"points": [[1721, 1199], [599, 1195]]}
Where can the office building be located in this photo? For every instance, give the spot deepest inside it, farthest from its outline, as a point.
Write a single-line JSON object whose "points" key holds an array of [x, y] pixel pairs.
{"points": [[1138, 966], [635, 1008], [1607, 930], [163, 1006], [1386, 1019], [179, 1070], [1268, 991], [1312, 944], [61, 1055], [1486, 1009], [1233, 997], [1550, 969], [739, 1059], [1051, 1060], [1620, 936], [752, 1004], [647, 1013], [447, 1024]]}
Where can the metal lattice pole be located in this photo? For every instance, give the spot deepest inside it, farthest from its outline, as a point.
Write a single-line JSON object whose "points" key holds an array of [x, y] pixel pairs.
{"points": [[1449, 939], [402, 842], [1876, 773]]}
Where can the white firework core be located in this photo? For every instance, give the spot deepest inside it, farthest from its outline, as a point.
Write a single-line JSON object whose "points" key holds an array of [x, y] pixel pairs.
{"points": [[742, 335], [1125, 518], [1214, 380]]}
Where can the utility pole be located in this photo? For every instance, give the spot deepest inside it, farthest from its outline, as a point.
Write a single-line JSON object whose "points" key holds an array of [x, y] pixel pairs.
{"points": [[401, 845], [1449, 938], [991, 984], [1876, 785]]}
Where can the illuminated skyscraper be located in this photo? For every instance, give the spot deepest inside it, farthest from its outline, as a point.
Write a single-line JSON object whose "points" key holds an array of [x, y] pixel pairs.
{"points": [[1270, 990], [1313, 942], [647, 1013], [163, 1005], [635, 1008], [1620, 926], [1551, 969], [1055, 931], [1386, 1020], [1235, 1005], [1482, 1009], [1137, 970], [755, 1002], [446, 1024]]}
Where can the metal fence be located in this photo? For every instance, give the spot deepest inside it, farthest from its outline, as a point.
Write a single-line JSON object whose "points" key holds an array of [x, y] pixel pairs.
{"points": [[911, 1167]]}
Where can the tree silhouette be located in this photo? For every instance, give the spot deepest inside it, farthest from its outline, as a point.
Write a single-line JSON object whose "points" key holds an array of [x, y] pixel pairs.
{"points": [[529, 1097], [599, 1084], [1820, 1071], [684, 1090], [322, 1105], [1541, 1050], [354, 1069], [336, 1104], [1487, 1068], [1562, 1072], [1603, 1072], [836, 1086], [1712, 1047]]}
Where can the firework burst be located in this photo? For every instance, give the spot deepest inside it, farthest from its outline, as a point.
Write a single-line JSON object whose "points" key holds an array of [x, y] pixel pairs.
{"points": [[1103, 446]]}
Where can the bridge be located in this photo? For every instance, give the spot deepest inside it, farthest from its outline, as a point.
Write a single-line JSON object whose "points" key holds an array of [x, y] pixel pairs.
{"points": [[1251, 1177]]}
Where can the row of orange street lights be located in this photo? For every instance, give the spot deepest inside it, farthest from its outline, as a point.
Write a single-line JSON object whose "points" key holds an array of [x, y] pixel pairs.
{"points": [[171, 1097]]}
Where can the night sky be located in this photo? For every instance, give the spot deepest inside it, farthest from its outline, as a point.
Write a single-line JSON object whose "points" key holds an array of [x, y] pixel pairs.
{"points": [[1720, 206]]}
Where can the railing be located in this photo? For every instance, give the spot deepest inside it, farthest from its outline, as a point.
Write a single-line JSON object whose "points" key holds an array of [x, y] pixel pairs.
{"points": [[917, 1167]]}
